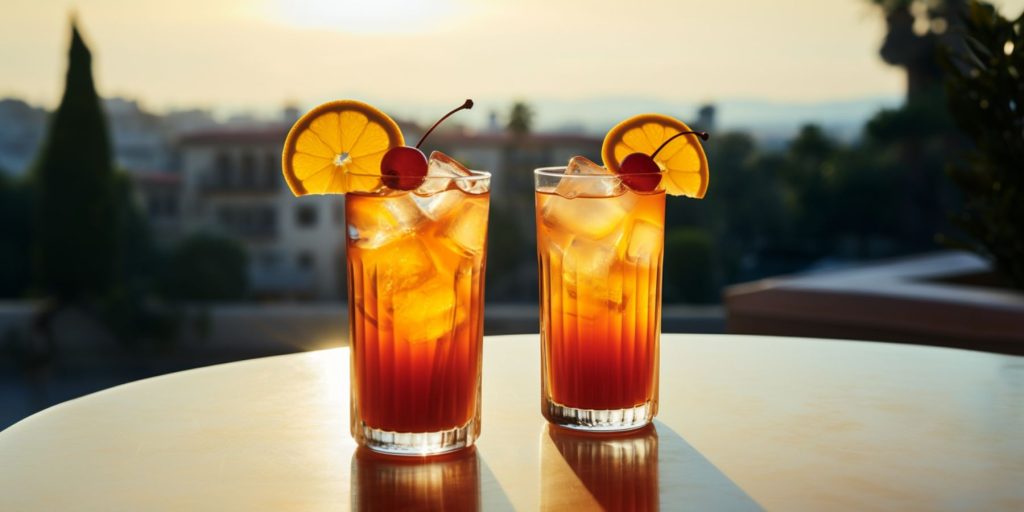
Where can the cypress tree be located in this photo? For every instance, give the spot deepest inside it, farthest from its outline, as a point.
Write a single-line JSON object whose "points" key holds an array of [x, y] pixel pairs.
{"points": [[74, 239]]}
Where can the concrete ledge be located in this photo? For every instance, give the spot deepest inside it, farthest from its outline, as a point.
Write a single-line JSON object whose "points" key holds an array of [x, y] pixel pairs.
{"points": [[901, 301]]}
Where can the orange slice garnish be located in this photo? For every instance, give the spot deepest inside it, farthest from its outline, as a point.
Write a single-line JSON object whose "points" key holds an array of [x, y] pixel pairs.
{"points": [[683, 160], [334, 147]]}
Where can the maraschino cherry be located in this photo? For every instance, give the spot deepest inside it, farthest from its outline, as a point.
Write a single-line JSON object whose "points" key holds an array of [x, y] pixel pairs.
{"points": [[643, 165], [404, 167]]}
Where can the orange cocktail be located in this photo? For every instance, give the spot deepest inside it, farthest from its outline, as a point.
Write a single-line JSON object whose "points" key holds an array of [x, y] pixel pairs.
{"points": [[600, 243], [416, 287], [416, 237], [600, 250]]}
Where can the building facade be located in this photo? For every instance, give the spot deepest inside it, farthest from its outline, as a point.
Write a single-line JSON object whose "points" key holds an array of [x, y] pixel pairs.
{"points": [[231, 185]]}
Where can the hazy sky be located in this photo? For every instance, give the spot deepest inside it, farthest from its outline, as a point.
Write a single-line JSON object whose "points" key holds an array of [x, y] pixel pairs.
{"points": [[244, 53]]}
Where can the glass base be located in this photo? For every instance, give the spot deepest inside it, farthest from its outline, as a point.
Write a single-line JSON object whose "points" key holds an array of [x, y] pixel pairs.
{"points": [[417, 443], [599, 420]]}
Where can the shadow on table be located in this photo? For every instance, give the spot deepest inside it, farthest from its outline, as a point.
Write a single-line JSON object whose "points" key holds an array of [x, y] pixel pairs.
{"points": [[647, 469], [447, 482]]}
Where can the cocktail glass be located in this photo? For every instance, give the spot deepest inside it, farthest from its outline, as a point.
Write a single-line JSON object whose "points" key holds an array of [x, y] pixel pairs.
{"points": [[416, 287], [599, 245]]}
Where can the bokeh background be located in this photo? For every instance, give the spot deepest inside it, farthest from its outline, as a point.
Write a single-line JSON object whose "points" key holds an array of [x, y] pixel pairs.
{"points": [[861, 146]]}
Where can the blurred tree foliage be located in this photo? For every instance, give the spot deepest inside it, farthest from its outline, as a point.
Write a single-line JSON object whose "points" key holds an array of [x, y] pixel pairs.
{"points": [[76, 224], [206, 267], [507, 247], [818, 202], [133, 308], [74, 241], [986, 98], [914, 31], [686, 276], [520, 118], [15, 236]]}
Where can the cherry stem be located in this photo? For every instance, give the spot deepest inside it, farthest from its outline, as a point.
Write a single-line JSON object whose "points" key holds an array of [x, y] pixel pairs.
{"points": [[702, 135], [467, 105]]}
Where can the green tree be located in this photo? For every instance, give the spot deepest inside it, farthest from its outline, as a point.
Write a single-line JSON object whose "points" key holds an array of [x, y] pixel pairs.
{"points": [[75, 243], [914, 32], [205, 267], [15, 236], [520, 119], [689, 267], [745, 213], [507, 248], [986, 99], [809, 171]]}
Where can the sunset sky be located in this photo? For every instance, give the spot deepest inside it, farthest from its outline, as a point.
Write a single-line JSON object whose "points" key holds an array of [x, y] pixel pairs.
{"points": [[254, 53]]}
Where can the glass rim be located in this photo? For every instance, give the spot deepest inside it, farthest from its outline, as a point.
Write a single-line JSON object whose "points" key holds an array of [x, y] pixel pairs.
{"points": [[474, 176], [559, 172]]}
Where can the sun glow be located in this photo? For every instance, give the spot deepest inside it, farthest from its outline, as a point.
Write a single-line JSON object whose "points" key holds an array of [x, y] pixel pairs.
{"points": [[363, 16]]}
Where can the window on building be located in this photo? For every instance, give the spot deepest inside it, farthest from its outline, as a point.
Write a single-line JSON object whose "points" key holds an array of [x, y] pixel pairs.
{"points": [[271, 171], [268, 219], [269, 259], [248, 171], [306, 260], [246, 220], [162, 205], [226, 217], [248, 160], [171, 205], [222, 169], [305, 216], [153, 207]]}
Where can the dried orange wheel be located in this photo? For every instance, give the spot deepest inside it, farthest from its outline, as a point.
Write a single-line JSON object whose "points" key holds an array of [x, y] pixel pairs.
{"points": [[333, 143], [683, 160]]}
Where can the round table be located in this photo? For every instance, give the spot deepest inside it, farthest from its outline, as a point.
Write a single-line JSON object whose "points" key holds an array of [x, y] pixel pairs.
{"points": [[745, 423]]}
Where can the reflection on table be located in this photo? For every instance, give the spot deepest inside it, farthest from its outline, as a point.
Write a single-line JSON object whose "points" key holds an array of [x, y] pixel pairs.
{"points": [[445, 482], [619, 470]]}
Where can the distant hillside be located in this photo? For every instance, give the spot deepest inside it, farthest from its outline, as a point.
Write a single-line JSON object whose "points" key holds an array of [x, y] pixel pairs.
{"points": [[769, 121]]}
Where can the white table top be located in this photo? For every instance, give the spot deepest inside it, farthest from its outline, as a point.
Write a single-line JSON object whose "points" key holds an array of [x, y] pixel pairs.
{"points": [[745, 422]]}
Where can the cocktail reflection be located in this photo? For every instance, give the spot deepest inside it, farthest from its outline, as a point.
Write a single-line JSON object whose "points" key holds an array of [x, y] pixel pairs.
{"points": [[445, 482], [620, 471]]}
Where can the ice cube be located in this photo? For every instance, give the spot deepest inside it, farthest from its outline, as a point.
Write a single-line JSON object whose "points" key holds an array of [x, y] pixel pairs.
{"points": [[377, 222], [586, 267], [441, 168], [401, 265], [590, 217], [591, 180], [426, 312], [645, 241], [558, 241], [468, 227], [476, 185], [438, 205]]}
